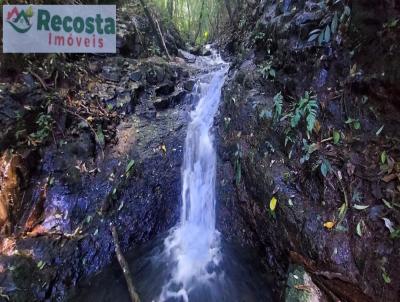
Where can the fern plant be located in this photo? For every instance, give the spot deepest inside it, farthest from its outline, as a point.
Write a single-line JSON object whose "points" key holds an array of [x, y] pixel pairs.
{"points": [[278, 105], [306, 107]]}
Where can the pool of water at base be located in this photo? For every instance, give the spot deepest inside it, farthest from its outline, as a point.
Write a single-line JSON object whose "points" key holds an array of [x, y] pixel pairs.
{"points": [[239, 277]]}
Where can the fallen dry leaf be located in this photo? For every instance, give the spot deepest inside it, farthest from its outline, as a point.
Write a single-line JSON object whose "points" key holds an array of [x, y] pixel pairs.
{"points": [[329, 224], [390, 177]]}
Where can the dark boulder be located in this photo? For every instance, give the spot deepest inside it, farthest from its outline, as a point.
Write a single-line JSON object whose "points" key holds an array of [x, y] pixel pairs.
{"points": [[165, 102], [165, 89]]}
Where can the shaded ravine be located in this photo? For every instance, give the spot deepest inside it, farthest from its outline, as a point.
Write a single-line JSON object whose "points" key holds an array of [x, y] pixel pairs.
{"points": [[191, 262]]}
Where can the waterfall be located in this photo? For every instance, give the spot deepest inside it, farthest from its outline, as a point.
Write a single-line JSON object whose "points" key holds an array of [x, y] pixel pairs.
{"points": [[194, 243], [192, 262]]}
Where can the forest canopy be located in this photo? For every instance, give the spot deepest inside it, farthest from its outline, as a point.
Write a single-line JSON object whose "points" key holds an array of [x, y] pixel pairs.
{"points": [[199, 21]]}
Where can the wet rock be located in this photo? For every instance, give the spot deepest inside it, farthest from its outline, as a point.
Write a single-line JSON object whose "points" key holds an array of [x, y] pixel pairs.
{"points": [[200, 51], [136, 76], [29, 81], [169, 101], [155, 75], [165, 89], [111, 73], [189, 85], [205, 52], [188, 57], [322, 78], [124, 100]]}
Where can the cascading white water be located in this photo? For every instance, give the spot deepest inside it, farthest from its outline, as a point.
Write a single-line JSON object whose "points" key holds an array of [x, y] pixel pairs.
{"points": [[193, 264], [194, 243]]}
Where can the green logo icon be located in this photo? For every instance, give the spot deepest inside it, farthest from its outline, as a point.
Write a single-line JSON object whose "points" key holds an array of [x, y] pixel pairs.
{"points": [[20, 20]]}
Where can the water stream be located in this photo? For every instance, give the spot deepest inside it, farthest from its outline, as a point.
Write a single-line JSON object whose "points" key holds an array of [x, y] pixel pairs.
{"points": [[194, 243], [191, 262]]}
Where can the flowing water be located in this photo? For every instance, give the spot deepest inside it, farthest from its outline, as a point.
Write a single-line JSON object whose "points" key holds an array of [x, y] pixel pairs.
{"points": [[192, 263], [195, 242]]}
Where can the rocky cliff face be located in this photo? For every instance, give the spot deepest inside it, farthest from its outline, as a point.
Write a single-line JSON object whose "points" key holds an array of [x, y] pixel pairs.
{"points": [[310, 117]]}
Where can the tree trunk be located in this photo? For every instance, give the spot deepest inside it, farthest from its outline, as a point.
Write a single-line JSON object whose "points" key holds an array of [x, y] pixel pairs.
{"points": [[170, 5], [200, 21], [189, 20], [155, 27]]}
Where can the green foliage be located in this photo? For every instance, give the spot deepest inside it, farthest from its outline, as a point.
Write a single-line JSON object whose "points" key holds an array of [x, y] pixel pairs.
{"points": [[325, 167], [306, 107], [100, 139], [336, 137], [153, 49], [278, 105], [44, 123], [258, 36], [197, 20], [392, 23], [354, 123], [395, 234], [129, 166], [383, 157], [308, 149], [267, 70], [324, 35], [385, 276]]}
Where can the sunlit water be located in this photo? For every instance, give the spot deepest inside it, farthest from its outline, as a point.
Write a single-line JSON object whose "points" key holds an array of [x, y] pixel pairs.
{"points": [[192, 263]]}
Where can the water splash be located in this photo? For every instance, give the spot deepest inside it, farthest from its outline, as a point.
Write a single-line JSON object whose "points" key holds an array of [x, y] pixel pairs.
{"points": [[194, 243]]}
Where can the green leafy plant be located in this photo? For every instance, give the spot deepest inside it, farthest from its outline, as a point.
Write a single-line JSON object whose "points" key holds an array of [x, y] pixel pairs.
{"points": [[45, 124], [325, 167], [392, 23], [395, 234], [336, 137], [306, 107], [129, 167], [354, 123], [153, 49], [385, 276], [308, 150], [383, 157], [324, 34], [258, 36], [267, 71]]}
